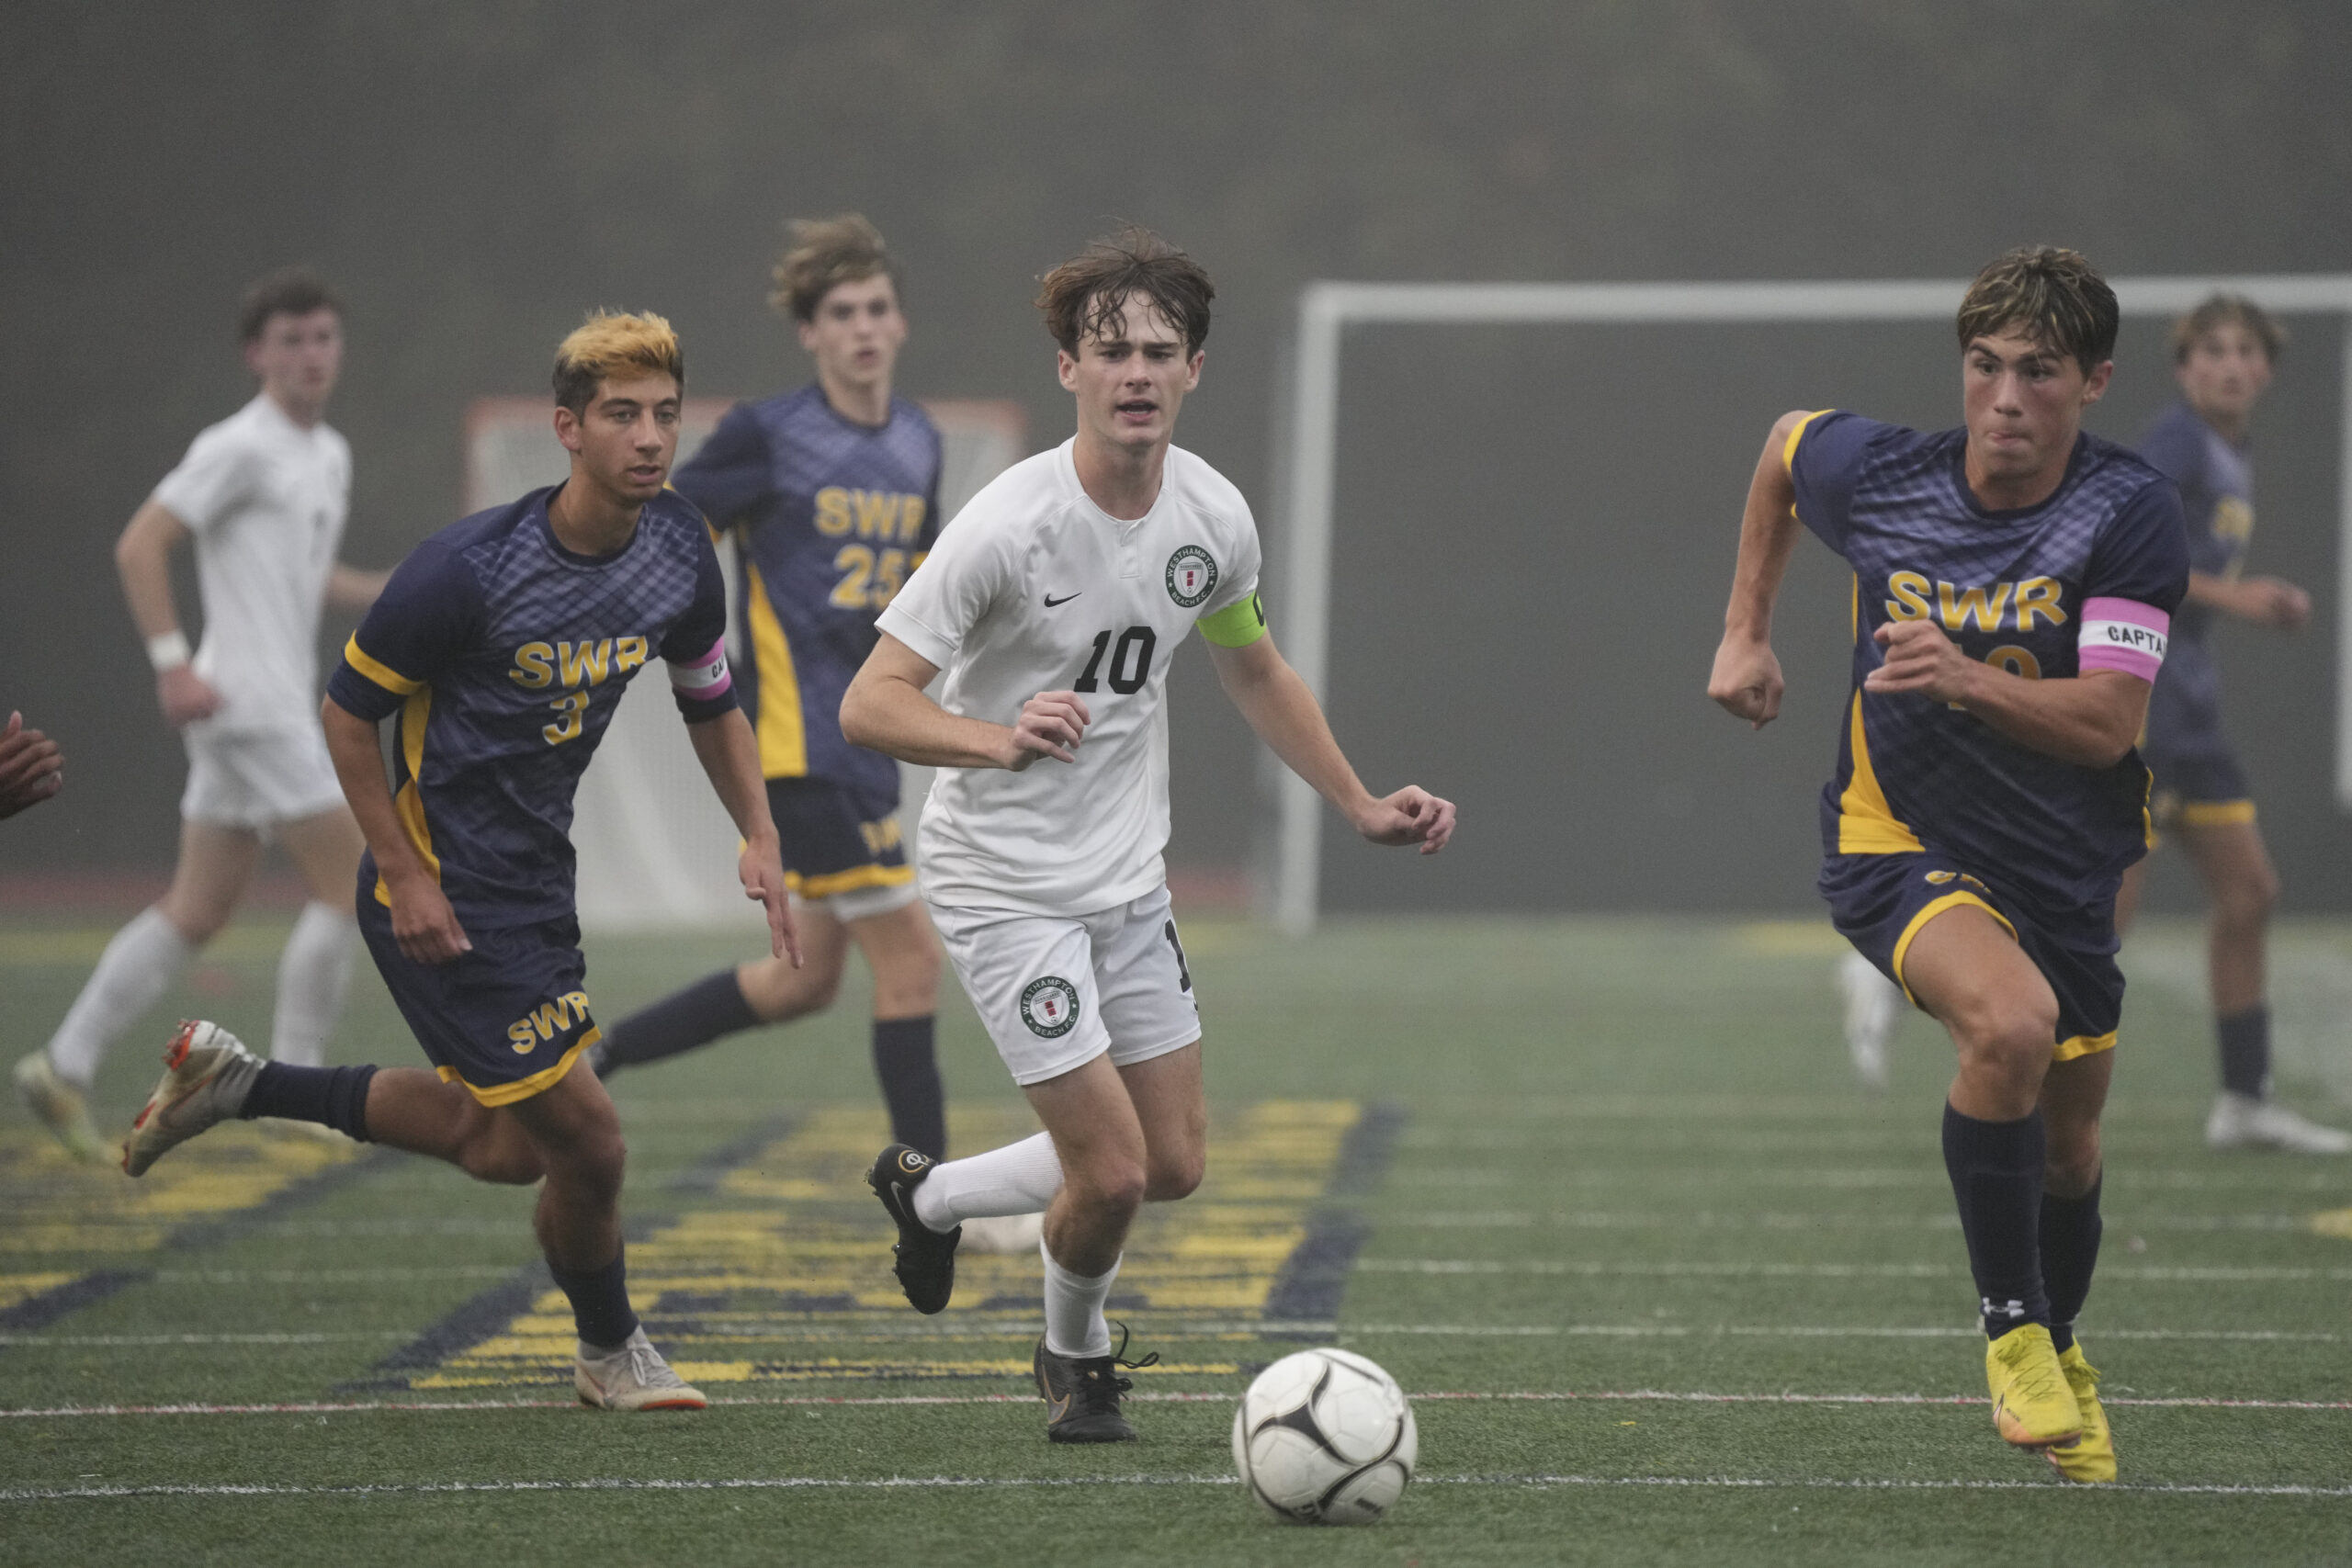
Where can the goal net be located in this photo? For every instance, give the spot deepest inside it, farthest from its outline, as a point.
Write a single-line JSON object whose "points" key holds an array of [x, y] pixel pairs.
{"points": [[656, 850]]}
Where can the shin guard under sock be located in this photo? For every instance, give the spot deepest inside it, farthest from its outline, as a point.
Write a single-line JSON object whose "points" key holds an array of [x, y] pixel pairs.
{"points": [[1995, 1170], [333, 1097], [1074, 1321], [2070, 1233], [600, 1309], [907, 1062]]}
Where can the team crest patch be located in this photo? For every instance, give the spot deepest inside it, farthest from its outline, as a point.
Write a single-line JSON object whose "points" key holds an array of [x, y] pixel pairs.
{"points": [[1191, 576], [1049, 1005]]}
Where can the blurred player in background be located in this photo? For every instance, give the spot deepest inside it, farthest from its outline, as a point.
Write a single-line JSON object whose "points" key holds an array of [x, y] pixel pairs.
{"points": [[2223, 350], [32, 768], [264, 493], [2014, 581], [503, 644], [834, 492], [1056, 604]]}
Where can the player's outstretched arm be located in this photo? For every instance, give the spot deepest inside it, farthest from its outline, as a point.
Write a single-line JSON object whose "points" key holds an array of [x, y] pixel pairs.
{"points": [[1286, 716], [2091, 719], [886, 710], [423, 922], [143, 558], [730, 755], [2270, 602], [31, 767], [1745, 681]]}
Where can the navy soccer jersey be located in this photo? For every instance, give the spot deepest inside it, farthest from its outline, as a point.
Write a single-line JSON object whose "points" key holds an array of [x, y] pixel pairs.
{"points": [[833, 516], [2217, 496], [505, 655], [2086, 580]]}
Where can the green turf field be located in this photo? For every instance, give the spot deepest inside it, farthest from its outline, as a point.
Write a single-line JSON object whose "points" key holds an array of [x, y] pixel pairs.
{"points": [[1665, 1287]]}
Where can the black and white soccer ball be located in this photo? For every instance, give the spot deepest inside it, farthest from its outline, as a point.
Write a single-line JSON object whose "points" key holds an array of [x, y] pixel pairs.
{"points": [[1325, 1438]]}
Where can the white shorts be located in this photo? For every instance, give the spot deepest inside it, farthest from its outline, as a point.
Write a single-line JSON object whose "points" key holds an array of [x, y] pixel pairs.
{"points": [[1058, 991], [862, 903], [258, 777]]}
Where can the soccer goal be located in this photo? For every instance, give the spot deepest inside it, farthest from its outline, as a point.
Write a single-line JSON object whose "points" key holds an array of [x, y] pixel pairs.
{"points": [[1308, 443], [656, 850]]}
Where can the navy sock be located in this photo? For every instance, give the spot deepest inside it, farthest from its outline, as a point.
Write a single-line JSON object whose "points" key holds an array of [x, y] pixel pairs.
{"points": [[600, 1309], [709, 1008], [2070, 1233], [2246, 1051], [1995, 1168], [908, 1064], [334, 1097]]}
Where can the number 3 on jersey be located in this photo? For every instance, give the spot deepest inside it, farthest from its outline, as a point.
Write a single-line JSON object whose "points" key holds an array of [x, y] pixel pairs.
{"points": [[1134, 648]]}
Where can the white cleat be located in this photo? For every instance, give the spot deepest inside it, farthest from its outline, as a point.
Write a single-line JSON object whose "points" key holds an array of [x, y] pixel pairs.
{"points": [[207, 1072], [60, 1106], [2241, 1121], [633, 1377], [1874, 1004], [1005, 1233]]}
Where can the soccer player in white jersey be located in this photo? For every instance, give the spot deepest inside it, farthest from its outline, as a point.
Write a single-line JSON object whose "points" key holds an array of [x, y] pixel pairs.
{"points": [[1055, 602], [264, 493]]}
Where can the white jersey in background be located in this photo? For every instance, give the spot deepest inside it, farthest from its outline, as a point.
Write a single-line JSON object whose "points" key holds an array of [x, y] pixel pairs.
{"points": [[1033, 588], [266, 500]]}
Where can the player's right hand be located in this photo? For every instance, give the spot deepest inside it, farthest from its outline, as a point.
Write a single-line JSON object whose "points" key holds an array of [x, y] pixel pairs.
{"points": [[424, 924], [1745, 682], [1051, 724], [2273, 602], [31, 767], [185, 695]]}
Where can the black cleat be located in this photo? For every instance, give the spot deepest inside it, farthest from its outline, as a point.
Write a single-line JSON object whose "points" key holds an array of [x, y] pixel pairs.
{"points": [[924, 1260], [1082, 1393]]}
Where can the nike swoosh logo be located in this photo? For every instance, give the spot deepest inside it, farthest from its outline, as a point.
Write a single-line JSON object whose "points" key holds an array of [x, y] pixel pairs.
{"points": [[1051, 601]]}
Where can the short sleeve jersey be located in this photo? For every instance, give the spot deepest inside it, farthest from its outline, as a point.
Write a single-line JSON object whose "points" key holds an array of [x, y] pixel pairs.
{"points": [[266, 500], [832, 516], [2216, 484], [505, 655], [2087, 578], [1033, 588]]}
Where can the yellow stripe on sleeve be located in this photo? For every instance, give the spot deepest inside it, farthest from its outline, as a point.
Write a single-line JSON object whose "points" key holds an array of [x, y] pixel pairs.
{"points": [[1238, 625], [1788, 452], [379, 671]]}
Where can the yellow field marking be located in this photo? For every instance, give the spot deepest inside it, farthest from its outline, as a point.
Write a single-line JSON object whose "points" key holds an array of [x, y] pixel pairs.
{"points": [[1789, 939], [799, 1238], [58, 1205], [79, 946], [2333, 1222], [15, 1287]]}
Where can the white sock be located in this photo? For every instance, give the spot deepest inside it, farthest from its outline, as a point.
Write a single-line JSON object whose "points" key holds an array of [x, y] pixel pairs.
{"points": [[1019, 1178], [132, 975], [1074, 1323], [313, 977]]}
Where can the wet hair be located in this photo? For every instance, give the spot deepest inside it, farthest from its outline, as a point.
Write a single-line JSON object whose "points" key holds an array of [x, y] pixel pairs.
{"points": [[2051, 294], [1083, 298], [611, 345], [2220, 310], [291, 291], [823, 253]]}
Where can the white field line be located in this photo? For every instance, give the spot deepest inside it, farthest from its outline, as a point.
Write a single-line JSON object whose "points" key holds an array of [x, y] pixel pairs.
{"points": [[964, 1482], [1556, 1396], [2125, 1188], [329, 1276], [1811, 1270], [1799, 1331], [127, 1341], [1856, 1220]]}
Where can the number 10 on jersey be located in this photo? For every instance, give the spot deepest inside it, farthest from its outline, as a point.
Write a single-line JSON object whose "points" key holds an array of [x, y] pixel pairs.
{"points": [[1130, 662]]}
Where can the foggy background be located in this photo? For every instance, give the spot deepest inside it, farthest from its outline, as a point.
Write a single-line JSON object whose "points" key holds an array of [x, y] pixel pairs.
{"points": [[1535, 525]]}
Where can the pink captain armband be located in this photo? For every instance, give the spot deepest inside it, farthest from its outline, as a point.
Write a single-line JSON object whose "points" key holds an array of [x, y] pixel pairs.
{"points": [[2122, 634], [704, 678]]}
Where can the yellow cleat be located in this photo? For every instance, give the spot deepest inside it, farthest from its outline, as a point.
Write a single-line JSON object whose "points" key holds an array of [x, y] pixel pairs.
{"points": [[2033, 1404], [2089, 1459], [60, 1107]]}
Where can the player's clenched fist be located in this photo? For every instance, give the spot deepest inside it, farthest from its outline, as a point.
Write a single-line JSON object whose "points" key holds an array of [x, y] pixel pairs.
{"points": [[1745, 681], [1921, 659], [1051, 724], [31, 767]]}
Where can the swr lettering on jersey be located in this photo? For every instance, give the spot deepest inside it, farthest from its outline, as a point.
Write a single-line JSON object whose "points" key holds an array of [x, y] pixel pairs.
{"points": [[872, 514], [1986, 607]]}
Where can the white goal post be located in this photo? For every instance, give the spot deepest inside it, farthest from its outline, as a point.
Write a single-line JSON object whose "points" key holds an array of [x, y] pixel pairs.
{"points": [[1310, 453]]}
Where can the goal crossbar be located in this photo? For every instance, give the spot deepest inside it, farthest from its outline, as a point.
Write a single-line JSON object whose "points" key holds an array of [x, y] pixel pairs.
{"points": [[1309, 467]]}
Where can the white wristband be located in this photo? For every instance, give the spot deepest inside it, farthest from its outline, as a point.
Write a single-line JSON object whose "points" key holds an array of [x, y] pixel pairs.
{"points": [[168, 652]]}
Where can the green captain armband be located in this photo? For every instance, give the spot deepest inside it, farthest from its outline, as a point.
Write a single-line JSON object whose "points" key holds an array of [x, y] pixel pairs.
{"points": [[1235, 625]]}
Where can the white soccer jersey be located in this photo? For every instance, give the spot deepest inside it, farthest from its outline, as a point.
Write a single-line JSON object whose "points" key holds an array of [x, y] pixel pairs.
{"points": [[1033, 588], [266, 500]]}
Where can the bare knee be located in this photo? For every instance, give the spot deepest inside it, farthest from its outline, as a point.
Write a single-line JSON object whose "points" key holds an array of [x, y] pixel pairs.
{"points": [[776, 992], [2072, 1169], [489, 1150], [1113, 1185], [197, 920], [1175, 1176], [2243, 904], [2004, 1044]]}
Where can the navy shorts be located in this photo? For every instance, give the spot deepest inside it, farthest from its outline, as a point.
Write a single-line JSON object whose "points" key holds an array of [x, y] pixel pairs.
{"points": [[2208, 790], [506, 1019], [1879, 902], [839, 839]]}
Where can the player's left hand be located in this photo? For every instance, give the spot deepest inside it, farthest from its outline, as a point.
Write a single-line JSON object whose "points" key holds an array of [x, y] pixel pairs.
{"points": [[1920, 658], [2274, 602], [761, 868], [1411, 816], [31, 767]]}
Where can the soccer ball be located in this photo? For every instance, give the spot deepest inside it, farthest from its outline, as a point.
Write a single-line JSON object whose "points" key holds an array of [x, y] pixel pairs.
{"points": [[1325, 1438]]}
